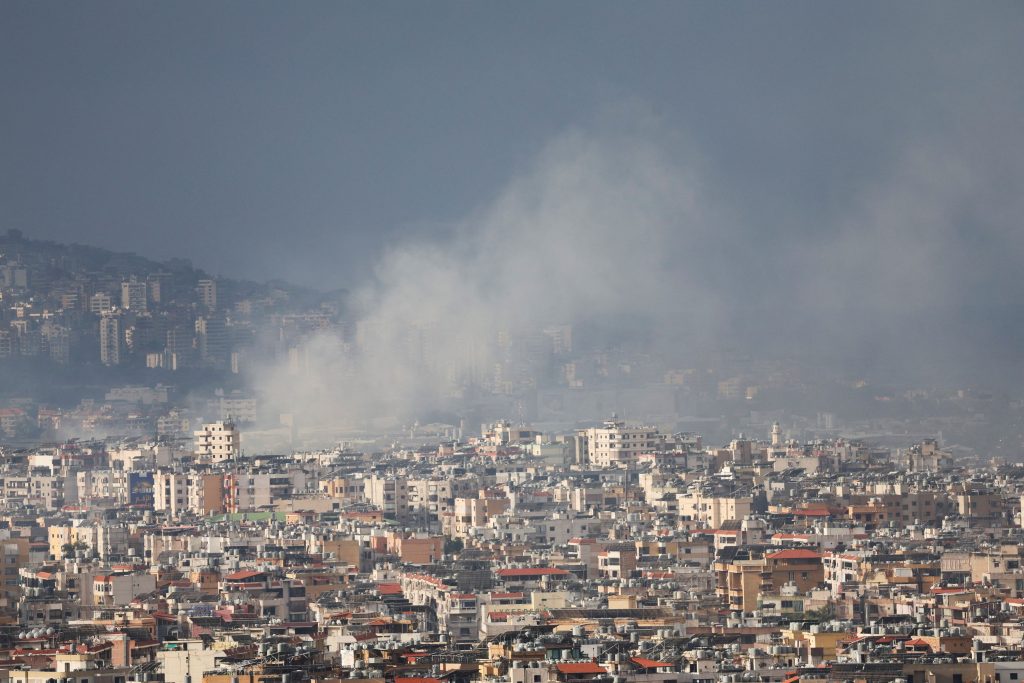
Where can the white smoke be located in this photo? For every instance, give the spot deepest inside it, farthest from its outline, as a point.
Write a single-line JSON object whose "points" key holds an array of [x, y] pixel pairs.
{"points": [[595, 231], [611, 231]]}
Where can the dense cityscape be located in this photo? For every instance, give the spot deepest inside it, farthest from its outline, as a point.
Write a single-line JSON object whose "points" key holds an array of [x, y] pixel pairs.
{"points": [[148, 533], [511, 342], [611, 553]]}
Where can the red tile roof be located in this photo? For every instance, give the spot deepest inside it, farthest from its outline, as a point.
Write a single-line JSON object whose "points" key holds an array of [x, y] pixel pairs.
{"points": [[578, 668], [243, 575], [413, 656], [645, 663]]}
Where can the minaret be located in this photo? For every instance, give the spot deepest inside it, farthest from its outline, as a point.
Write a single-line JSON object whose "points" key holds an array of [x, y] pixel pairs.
{"points": [[776, 435]]}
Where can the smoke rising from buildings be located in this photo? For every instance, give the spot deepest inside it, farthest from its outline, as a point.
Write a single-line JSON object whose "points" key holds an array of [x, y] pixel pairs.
{"points": [[596, 232], [615, 233]]}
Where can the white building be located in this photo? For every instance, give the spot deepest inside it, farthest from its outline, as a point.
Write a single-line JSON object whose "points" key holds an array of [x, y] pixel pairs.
{"points": [[615, 444], [218, 441]]}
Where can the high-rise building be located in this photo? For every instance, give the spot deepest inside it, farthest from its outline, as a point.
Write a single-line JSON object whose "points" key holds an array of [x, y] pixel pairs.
{"points": [[100, 303], [179, 352], [143, 334], [156, 285], [207, 290], [212, 334], [110, 340], [133, 295]]}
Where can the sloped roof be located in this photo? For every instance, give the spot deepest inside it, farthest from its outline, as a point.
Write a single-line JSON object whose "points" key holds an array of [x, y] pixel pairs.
{"points": [[580, 668], [645, 663], [243, 575]]}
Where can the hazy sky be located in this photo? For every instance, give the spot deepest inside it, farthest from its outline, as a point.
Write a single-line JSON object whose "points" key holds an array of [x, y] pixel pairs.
{"points": [[299, 140]]}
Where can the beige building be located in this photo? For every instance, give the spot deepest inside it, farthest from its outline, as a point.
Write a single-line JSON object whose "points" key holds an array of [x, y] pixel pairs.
{"points": [[254, 490], [100, 540], [117, 590], [418, 550], [390, 494], [617, 562], [181, 658], [475, 513], [346, 490], [743, 582], [218, 441], [200, 493], [615, 444], [712, 510]]}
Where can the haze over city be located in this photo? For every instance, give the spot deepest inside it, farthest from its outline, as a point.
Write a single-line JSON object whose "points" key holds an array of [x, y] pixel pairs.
{"points": [[575, 342], [822, 180]]}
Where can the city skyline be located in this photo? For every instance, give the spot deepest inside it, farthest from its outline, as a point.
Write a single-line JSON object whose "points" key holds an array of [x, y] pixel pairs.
{"points": [[449, 342]]}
